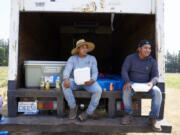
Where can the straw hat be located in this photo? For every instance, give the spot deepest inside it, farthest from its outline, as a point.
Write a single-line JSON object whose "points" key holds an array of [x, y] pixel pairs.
{"points": [[80, 42]]}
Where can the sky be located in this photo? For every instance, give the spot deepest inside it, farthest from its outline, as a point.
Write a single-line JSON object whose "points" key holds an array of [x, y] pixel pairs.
{"points": [[4, 18], [172, 23]]}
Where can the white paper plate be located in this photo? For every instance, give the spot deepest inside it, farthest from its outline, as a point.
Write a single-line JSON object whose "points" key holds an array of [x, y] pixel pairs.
{"points": [[81, 75], [141, 87]]}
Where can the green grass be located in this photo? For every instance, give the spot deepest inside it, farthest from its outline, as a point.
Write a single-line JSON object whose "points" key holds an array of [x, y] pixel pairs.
{"points": [[172, 80], [3, 76], [3, 73]]}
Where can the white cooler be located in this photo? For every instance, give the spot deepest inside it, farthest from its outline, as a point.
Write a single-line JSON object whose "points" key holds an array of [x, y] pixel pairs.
{"points": [[34, 70]]}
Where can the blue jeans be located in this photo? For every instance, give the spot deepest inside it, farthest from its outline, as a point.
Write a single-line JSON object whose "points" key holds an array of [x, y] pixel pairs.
{"points": [[94, 88], [156, 95]]}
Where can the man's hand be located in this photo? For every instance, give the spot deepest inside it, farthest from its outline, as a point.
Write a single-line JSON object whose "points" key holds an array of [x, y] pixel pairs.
{"points": [[127, 86], [150, 84], [89, 82], [67, 83]]}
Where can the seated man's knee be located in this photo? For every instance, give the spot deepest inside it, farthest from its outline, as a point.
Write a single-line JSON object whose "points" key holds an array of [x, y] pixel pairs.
{"points": [[128, 92], [98, 89], [156, 91], [63, 88]]}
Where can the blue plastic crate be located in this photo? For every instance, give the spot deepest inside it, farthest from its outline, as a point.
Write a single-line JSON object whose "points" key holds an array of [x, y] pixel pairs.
{"points": [[117, 81], [3, 132]]}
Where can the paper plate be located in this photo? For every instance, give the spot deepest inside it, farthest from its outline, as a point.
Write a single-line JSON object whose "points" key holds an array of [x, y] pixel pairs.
{"points": [[81, 75], [141, 87]]}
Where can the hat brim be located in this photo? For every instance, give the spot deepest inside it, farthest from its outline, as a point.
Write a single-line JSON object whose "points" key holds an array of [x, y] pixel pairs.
{"points": [[90, 45]]}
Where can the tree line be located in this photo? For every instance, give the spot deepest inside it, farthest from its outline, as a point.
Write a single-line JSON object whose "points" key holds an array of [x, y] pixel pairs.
{"points": [[4, 52], [173, 62]]}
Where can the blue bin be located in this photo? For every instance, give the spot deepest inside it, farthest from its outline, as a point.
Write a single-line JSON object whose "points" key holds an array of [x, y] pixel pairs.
{"points": [[3, 132], [115, 79]]}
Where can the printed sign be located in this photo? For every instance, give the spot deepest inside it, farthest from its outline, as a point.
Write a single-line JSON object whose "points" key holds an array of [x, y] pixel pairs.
{"points": [[27, 106]]}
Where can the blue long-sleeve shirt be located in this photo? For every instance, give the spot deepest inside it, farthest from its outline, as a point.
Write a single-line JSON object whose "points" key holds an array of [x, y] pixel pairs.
{"points": [[139, 70], [75, 62]]}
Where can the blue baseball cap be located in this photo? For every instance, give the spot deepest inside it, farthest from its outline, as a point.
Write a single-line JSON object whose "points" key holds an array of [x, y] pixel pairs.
{"points": [[143, 42]]}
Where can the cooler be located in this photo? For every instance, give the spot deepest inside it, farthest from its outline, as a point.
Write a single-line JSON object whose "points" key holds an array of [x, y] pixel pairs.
{"points": [[34, 70]]}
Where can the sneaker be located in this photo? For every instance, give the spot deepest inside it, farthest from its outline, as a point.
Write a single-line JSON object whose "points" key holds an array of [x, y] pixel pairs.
{"points": [[156, 126], [126, 119], [83, 116], [73, 113]]}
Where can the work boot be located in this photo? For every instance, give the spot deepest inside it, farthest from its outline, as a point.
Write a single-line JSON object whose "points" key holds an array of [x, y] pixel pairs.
{"points": [[126, 119], [155, 124], [83, 116], [73, 113]]}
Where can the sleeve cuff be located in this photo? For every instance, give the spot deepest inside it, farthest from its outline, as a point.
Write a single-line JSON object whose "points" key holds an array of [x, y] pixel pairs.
{"points": [[65, 77], [94, 79], [154, 81], [127, 81]]}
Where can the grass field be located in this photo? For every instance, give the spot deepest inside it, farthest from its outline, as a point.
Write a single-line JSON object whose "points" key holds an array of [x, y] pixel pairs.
{"points": [[172, 80], [172, 106], [3, 76]]}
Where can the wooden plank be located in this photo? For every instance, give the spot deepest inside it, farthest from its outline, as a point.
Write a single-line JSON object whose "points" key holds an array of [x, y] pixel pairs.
{"points": [[114, 94], [60, 105], [12, 106], [111, 107], [99, 6], [13, 41], [54, 124], [24, 92], [34, 93], [160, 46]]}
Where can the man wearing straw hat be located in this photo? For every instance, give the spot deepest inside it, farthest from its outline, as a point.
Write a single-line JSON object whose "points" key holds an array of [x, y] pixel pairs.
{"points": [[80, 59]]}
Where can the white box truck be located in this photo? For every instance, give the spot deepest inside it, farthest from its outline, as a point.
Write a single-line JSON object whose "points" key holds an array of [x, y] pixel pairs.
{"points": [[46, 30]]}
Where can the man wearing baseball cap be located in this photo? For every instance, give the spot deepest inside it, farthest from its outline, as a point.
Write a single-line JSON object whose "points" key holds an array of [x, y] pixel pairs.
{"points": [[80, 59], [140, 67]]}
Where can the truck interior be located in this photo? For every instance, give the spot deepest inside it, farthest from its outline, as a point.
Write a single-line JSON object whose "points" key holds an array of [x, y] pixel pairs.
{"points": [[51, 37]]}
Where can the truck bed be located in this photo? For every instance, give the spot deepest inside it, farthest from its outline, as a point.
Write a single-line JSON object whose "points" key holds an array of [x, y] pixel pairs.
{"points": [[55, 124]]}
